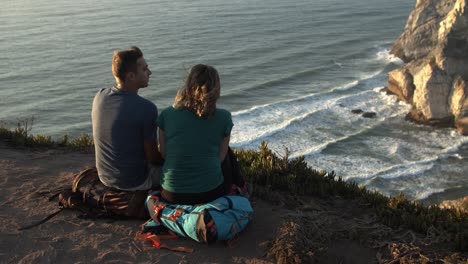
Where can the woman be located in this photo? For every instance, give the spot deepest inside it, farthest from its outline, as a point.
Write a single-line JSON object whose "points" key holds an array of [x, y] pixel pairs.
{"points": [[194, 138]]}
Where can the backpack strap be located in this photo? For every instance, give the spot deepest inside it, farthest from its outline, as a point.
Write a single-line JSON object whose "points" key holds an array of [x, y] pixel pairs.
{"points": [[81, 175], [51, 194], [47, 218]]}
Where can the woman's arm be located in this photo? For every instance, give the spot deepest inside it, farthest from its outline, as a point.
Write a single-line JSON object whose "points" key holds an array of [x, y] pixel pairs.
{"points": [[223, 148], [162, 145]]}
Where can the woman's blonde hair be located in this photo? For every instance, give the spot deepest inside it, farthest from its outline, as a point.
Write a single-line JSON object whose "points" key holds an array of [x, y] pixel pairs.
{"points": [[200, 92]]}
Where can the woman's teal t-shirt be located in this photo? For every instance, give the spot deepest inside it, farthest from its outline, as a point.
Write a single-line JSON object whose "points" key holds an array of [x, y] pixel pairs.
{"points": [[192, 143]]}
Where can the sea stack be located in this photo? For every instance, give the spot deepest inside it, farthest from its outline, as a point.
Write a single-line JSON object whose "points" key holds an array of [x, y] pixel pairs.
{"points": [[434, 78]]}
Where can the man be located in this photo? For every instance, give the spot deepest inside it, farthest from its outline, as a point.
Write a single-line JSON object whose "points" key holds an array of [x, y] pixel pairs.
{"points": [[124, 127]]}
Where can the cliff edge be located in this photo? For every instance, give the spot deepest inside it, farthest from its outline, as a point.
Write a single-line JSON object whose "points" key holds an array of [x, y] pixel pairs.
{"points": [[434, 47]]}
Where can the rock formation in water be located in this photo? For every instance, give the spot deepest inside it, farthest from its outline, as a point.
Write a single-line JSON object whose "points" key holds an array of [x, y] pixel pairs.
{"points": [[434, 47]]}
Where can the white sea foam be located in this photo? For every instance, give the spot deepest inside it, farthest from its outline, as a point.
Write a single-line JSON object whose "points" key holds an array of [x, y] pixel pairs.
{"points": [[298, 99], [256, 125], [385, 55], [316, 149], [346, 86], [269, 131], [261, 121], [253, 108]]}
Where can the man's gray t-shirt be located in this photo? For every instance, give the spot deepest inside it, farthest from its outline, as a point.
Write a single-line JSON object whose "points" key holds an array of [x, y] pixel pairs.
{"points": [[122, 121]]}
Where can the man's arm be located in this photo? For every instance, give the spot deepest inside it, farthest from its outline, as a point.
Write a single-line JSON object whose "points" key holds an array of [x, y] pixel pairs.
{"points": [[152, 153]]}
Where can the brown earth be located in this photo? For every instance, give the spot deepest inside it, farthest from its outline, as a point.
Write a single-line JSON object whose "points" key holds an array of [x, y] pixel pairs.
{"points": [[311, 230]]}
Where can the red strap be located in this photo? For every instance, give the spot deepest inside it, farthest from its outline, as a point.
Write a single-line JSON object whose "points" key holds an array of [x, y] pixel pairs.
{"points": [[157, 209], [156, 242]]}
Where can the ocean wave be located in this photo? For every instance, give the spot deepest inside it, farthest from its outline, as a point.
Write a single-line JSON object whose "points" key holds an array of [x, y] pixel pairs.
{"points": [[264, 121], [312, 132], [317, 149], [272, 130], [346, 86], [283, 80], [412, 168], [418, 167], [296, 120]]}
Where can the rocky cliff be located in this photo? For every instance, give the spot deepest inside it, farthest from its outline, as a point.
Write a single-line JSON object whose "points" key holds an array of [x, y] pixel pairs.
{"points": [[434, 47]]}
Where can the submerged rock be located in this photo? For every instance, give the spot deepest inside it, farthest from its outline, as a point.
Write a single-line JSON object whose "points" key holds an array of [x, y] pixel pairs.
{"points": [[434, 46], [369, 114], [364, 114], [356, 111]]}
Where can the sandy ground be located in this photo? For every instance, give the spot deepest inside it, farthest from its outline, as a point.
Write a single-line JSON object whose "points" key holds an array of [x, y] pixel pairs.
{"points": [[315, 231]]}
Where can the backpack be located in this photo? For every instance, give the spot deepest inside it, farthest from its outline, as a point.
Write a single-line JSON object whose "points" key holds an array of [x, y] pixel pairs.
{"points": [[89, 192], [231, 170], [219, 220], [95, 200]]}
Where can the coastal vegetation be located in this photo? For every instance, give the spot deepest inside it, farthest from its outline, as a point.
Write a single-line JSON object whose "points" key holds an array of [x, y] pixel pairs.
{"points": [[21, 136], [270, 172]]}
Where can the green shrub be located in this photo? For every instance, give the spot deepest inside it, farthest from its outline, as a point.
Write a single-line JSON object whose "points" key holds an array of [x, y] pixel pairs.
{"points": [[83, 143], [40, 141]]}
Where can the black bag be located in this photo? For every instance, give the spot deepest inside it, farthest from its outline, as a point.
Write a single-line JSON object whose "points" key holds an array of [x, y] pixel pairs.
{"points": [[231, 171]]}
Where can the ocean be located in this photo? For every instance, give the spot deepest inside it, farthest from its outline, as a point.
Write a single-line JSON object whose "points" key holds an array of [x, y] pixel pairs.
{"points": [[291, 72]]}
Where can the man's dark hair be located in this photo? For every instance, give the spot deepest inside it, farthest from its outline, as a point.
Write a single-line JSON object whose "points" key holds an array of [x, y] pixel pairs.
{"points": [[125, 61]]}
